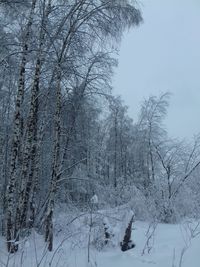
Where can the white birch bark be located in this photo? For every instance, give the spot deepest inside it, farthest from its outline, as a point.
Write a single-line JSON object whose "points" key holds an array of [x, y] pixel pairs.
{"points": [[11, 233], [30, 150]]}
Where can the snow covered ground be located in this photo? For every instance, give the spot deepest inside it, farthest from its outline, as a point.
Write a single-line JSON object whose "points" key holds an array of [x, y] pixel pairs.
{"points": [[166, 244], [166, 247]]}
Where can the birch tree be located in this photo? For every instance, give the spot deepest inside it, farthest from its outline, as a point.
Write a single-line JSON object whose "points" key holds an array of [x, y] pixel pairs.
{"points": [[11, 231], [86, 13]]}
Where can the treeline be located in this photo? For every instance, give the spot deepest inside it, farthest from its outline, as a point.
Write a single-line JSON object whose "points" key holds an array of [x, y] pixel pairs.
{"points": [[63, 137]]}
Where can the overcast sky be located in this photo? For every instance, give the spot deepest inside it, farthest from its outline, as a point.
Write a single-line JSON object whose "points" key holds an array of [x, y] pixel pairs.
{"points": [[163, 54]]}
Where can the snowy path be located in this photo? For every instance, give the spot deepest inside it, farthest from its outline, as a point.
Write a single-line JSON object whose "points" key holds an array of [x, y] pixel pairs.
{"points": [[167, 244]]}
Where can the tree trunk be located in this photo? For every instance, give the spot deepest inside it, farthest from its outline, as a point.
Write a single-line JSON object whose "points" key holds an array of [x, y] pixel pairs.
{"points": [[127, 243], [31, 144], [55, 168], [16, 142]]}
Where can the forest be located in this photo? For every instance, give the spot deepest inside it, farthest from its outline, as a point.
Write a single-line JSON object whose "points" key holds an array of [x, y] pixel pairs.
{"points": [[67, 143]]}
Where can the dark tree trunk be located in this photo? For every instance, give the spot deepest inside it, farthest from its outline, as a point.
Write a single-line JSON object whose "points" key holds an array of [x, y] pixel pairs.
{"points": [[127, 243]]}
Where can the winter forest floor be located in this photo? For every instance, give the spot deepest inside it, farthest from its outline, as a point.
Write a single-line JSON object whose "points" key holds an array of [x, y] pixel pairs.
{"points": [[161, 245]]}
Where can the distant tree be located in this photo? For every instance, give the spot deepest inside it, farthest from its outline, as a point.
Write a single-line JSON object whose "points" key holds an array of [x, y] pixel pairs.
{"points": [[153, 112]]}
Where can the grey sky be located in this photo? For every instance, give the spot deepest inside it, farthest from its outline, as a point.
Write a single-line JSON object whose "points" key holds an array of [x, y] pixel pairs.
{"points": [[163, 54]]}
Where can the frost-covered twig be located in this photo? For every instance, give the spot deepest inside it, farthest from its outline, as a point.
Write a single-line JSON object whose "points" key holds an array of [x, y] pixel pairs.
{"points": [[174, 258], [191, 233], [60, 246], [150, 237]]}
